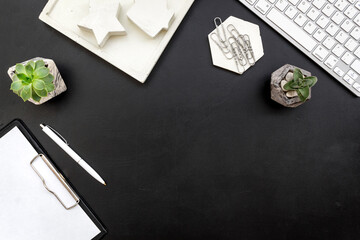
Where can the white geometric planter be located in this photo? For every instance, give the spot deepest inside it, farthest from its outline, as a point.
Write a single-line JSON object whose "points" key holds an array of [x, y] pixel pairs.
{"points": [[59, 83], [278, 94]]}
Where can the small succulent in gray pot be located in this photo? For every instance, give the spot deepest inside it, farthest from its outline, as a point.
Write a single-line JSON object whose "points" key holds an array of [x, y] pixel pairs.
{"points": [[37, 80], [291, 86]]}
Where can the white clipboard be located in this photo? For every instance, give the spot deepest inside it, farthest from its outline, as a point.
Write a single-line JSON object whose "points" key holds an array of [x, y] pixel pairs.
{"points": [[36, 201]]}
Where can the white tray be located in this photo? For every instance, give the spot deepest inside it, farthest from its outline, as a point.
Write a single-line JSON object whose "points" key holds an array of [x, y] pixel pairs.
{"points": [[136, 53]]}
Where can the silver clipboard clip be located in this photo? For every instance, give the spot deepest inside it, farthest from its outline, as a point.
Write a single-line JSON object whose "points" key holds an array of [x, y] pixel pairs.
{"points": [[59, 177]]}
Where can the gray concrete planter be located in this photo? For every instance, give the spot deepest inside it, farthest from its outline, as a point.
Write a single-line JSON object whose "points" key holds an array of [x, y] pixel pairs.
{"points": [[59, 83], [278, 94]]}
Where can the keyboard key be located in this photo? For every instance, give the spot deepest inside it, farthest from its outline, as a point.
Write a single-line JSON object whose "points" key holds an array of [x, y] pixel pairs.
{"points": [[318, 3], [328, 10], [348, 79], [338, 71], [319, 35], [357, 86], [313, 14], [251, 1], [332, 29], [329, 42], [272, 1], [331, 61], [291, 12], [331, 1], [352, 74], [322, 21], [304, 6], [347, 58], [347, 25], [342, 37], [320, 53], [356, 33], [338, 17], [357, 5], [300, 20], [262, 6], [357, 52], [351, 44], [350, 11], [294, 1], [310, 27], [341, 4], [338, 50], [291, 29], [356, 65], [281, 4], [357, 20]]}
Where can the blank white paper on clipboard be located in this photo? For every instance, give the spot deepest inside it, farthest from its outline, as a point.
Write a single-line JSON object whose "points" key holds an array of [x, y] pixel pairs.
{"points": [[28, 211]]}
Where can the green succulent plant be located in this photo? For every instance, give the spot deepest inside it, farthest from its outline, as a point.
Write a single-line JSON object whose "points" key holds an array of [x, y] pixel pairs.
{"points": [[32, 80], [301, 84]]}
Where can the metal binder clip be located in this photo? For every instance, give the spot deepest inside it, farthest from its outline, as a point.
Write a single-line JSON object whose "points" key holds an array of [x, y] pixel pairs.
{"points": [[244, 42], [239, 58], [61, 179]]}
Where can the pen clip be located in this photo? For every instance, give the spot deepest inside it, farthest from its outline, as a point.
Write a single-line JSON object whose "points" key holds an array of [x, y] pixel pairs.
{"points": [[58, 134]]}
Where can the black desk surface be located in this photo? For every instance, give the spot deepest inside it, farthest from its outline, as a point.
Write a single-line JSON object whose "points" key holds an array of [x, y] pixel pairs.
{"points": [[197, 152]]}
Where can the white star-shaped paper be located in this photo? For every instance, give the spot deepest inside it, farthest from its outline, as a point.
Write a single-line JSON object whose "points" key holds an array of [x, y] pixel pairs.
{"points": [[151, 16], [103, 20]]}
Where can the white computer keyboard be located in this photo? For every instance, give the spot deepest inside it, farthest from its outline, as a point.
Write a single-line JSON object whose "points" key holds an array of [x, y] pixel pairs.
{"points": [[326, 30]]}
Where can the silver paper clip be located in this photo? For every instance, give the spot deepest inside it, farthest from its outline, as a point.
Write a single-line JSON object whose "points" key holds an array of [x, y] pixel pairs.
{"points": [[221, 41], [224, 49], [250, 53], [239, 58], [218, 23], [244, 42]]}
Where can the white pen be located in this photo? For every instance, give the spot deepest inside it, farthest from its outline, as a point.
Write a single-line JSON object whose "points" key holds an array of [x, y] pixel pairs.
{"points": [[55, 136]]}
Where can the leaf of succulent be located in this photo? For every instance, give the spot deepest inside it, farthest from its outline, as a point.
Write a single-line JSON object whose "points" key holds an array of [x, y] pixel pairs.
{"points": [[35, 97], [17, 92], [304, 93], [26, 92], [48, 79], [29, 70], [297, 74], [41, 93], [19, 68], [15, 78], [307, 83], [313, 79], [16, 86], [300, 96], [32, 64], [23, 77], [39, 64], [49, 87], [287, 86], [38, 84], [41, 72], [295, 85]]}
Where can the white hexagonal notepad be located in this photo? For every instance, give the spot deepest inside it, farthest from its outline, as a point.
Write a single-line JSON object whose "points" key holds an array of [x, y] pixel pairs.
{"points": [[243, 27]]}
